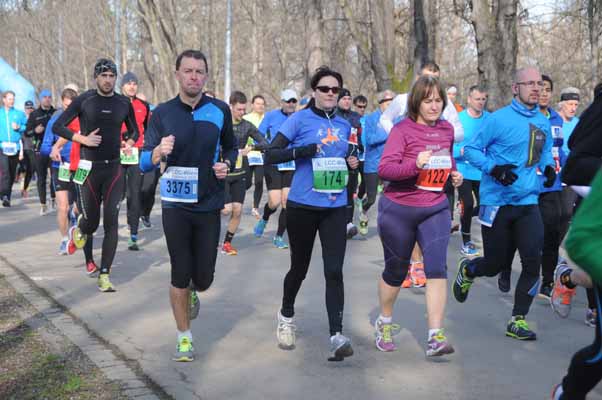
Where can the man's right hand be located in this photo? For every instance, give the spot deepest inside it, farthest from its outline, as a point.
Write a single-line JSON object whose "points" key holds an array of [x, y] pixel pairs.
{"points": [[503, 174], [92, 140], [166, 145], [39, 128]]}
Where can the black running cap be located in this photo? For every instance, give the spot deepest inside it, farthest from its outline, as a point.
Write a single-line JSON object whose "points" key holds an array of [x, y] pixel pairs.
{"points": [[104, 65]]}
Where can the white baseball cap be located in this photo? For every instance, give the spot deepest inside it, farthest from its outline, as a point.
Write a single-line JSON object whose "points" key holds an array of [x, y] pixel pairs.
{"points": [[288, 94]]}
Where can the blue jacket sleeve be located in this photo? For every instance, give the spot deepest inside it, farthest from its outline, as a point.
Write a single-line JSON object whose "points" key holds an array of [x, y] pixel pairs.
{"points": [[475, 149], [49, 138], [265, 124], [375, 134], [547, 158]]}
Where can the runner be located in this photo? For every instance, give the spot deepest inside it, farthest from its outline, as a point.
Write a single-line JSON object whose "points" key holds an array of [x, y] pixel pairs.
{"points": [[28, 161], [375, 138], [316, 203], [416, 162], [12, 126], [36, 126], [60, 173], [278, 178], [471, 118], [99, 177], [255, 174], [130, 157], [236, 180], [344, 110], [186, 135], [509, 148]]}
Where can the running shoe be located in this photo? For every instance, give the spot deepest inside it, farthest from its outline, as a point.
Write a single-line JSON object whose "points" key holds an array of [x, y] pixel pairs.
{"points": [[255, 213], [228, 249], [104, 284], [340, 347], [43, 210], [438, 345], [562, 296], [195, 305], [503, 280], [285, 333], [546, 291], [417, 275], [519, 329], [363, 224], [469, 250], [454, 228], [63, 247], [133, 244], [351, 231], [260, 227], [5, 201], [91, 267], [407, 282], [76, 235], [72, 217], [462, 283], [556, 392], [184, 350], [384, 335], [71, 247], [279, 242], [591, 315], [146, 221]]}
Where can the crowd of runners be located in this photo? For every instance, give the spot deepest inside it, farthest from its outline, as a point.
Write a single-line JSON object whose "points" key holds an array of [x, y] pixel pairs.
{"points": [[529, 173]]}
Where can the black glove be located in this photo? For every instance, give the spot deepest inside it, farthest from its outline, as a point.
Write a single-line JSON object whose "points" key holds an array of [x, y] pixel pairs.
{"points": [[550, 175], [503, 174], [309, 150]]}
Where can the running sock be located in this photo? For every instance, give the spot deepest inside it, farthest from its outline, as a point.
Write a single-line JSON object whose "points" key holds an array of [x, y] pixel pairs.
{"points": [[433, 332], [187, 334], [267, 211], [565, 279], [134, 237], [385, 320], [228, 237], [281, 222]]}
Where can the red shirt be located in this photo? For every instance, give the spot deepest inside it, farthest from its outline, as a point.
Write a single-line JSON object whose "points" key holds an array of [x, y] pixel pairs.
{"points": [[142, 113], [398, 162], [74, 153]]}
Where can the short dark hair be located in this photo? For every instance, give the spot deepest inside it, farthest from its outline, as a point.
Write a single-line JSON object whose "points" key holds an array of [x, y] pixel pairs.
{"points": [[322, 72], [237, 97], [430, 65], [196, 54], [7, 92], [360, 98], [257, 96], [68, 94], [476, 88], [422, 89], [546, 78]]}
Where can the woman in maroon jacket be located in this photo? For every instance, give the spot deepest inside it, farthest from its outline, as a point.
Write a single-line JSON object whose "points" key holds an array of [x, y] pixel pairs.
{"points": [[416, 163]]}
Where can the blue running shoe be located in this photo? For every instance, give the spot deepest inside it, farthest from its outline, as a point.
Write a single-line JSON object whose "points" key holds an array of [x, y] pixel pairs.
{"points": [[63, 249], [279, 242], [469, 250], [260, 227]]}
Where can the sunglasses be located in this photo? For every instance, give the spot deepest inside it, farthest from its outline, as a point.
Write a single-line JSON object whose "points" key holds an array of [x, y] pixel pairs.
{"points": [[326, 89], [362, 106], [289, 101]]}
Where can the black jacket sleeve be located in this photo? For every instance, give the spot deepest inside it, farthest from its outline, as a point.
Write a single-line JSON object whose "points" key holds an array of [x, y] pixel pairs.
{"points": [[260, 142], [131, 125], [228, 141], [278, 152]]}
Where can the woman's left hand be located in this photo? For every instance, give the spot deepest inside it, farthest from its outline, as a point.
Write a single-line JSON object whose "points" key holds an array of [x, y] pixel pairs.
{"points": [[353, 162], [457, 178]]}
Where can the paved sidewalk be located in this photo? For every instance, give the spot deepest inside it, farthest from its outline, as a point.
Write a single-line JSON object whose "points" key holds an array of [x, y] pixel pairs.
{"points": [[235, 343]]}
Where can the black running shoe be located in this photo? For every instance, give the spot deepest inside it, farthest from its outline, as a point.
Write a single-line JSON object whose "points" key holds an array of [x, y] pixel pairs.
{"points": [[462, 283], [546, 291], [145, 221], [519, 329], [503, 280]]}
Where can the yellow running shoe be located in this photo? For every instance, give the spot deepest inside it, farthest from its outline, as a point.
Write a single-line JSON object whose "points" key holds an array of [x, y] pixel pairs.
{"points": [[104, 284]]}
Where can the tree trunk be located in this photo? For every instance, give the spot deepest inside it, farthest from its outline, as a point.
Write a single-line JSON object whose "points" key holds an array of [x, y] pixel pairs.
{"points": [[594, 21], [382, 42], [315, 57]]}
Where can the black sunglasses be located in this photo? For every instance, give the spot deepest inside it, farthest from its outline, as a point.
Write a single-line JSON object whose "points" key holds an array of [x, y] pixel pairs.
{"points": [[326, 89], [294, 101], [362, 106]]}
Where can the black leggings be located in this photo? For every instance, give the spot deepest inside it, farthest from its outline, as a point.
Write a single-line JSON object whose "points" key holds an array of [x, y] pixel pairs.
{"points": [[370, 180], [30, 164], [8, 171], [257, 172], [147, 191], [555, 222], [519, 226], [104, 185], [585, 370], [351, 188], [42, 165], [303, 224], [192, 239], [468, 208], [133, 187], [361, 189]]}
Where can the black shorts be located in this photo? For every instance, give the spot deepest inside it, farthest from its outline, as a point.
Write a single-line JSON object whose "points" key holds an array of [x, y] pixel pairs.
{"points": [[59, 185], [235, 189], [192, 239], [276, 180]]}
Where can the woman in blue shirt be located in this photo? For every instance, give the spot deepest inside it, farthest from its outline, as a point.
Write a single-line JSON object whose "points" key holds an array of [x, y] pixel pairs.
{"points": [[317, 140]]}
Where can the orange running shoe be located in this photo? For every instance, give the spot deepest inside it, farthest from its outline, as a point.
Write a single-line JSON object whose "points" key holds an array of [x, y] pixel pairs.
{"points": [[417, 275], [228, 249]]}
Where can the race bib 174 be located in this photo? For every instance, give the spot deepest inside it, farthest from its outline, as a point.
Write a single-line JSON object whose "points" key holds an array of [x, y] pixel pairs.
{"points": [[330, 174]]}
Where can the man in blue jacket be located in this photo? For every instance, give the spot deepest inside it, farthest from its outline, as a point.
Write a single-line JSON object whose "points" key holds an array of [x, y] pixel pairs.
{"points": [[512, 144], [374, 137], [12, 126]]}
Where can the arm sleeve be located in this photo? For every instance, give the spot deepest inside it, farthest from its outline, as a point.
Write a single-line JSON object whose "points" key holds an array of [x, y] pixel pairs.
{"points": [[22, 124], [474, 150], [48, 140], [260, 142], [278, 152], [584, 161], [376, 134], [397, 108], [147, 117], [228, 142], [547, 158], [60, 125], [451, 115], [393, 166], [130, 123], [152, 138]]}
